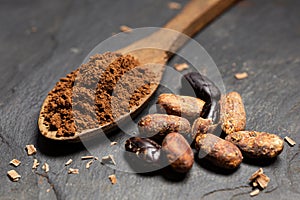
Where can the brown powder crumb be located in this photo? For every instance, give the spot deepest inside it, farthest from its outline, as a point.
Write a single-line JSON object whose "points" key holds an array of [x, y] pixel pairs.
{"points": [[13, 175], [88, 164], [115, 94], [290, 141], [68, 162], [35, 164], [31, 150], [87, 157], [45, 167], [108, 160], [126, 29], [15, 162], [73, 171], [181, 67], [113, 143], [174, 5], [240, 76], [113, 179], [254, 192]]}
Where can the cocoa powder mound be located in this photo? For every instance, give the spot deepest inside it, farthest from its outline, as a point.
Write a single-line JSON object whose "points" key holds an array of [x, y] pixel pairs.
{"points": [[97, 93]]}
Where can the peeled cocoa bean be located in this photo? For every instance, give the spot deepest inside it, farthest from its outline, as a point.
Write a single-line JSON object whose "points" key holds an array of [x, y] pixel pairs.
{"points": [[144, 149], [206, 90], [233, 115], [159, 125], [218, 151], [178, 152], [255, 144], [182, 106]]}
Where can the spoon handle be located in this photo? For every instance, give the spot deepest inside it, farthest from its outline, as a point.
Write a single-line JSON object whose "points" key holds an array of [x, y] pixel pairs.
{"points": [[193, 17], [196, 14]]}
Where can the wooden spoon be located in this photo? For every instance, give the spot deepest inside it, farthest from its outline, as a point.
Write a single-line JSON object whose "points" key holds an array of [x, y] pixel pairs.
{"points": [[194, 16]]}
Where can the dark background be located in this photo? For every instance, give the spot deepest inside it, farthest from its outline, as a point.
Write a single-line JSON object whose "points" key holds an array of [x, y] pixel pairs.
{"points": [[37, 41]]}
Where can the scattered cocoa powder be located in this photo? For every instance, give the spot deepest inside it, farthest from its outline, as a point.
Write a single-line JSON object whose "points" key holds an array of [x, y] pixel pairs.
{"points": [[96, 94]]}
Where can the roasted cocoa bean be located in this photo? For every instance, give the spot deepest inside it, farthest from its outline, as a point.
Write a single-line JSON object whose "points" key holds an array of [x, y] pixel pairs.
{"points": [[206, 90], [182, 106], [218, 151], [255, 144], [159, 125], [233, 115], [178, 152], [144, 149], [202, 126]]}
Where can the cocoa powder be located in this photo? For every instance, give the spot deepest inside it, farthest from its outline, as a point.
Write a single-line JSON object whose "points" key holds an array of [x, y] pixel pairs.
{"points": [[97, 93]]}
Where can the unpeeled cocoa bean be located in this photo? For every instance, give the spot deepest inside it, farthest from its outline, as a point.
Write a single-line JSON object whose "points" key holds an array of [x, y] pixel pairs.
{"points": [[159, 125], [178, 152], [183, 106], [255, 144], [144, 149], [233, 115], [218, 151]]}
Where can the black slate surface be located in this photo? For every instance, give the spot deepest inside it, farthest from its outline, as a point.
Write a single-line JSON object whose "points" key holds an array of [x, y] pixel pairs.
{"points": [[260, 37]]}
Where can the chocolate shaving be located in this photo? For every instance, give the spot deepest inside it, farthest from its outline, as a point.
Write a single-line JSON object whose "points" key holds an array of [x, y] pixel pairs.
{"points": [[73, 171], [15, 162], [240, 76], [87, 157], [113, 143], [31, 150], [88, 164], [181, 67], [45, 167], [13, 175], [254, 192], [108, 160], [125, 28], [35, 164], [263, 181], [113, 179], [290, 141], [68, 162]]}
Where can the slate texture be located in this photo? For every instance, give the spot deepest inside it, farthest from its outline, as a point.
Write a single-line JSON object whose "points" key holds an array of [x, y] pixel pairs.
{"points": [[43, 40]]}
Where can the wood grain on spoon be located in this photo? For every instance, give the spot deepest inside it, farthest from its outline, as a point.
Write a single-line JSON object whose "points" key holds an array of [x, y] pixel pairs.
{"points": [[155, 50]]}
